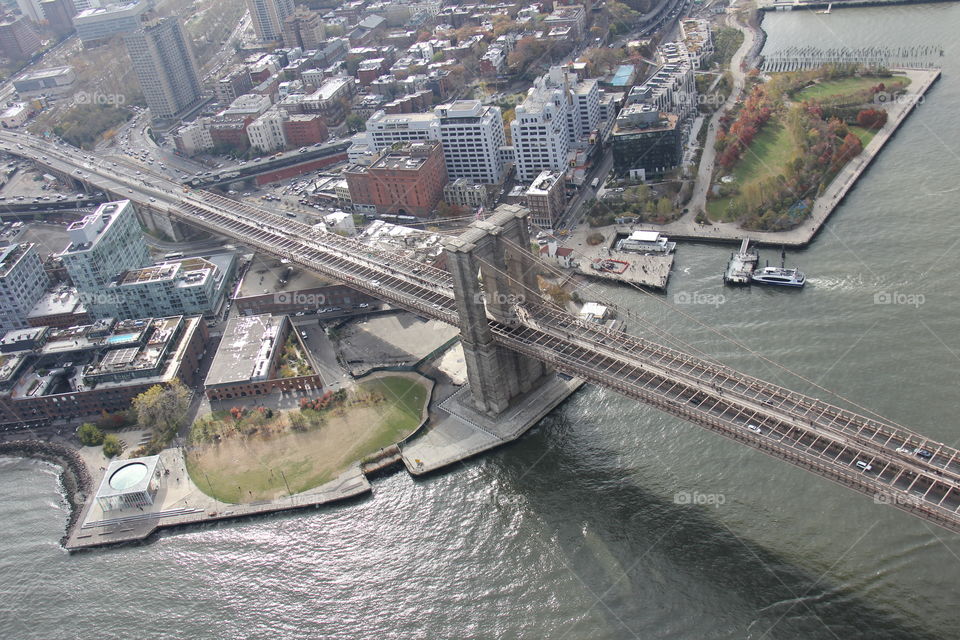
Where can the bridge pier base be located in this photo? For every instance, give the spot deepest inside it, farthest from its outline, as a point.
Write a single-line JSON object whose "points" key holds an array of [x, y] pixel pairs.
{"points": [[493, 271]]}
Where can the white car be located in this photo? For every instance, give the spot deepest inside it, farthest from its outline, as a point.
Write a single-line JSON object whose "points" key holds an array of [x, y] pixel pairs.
{"points": [[754, 428], [866, 466]]}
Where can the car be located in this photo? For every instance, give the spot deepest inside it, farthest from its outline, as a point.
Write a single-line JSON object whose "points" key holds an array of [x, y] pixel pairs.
{"points": [[923, 453], [904, 450], [375, 283], [363, 305], [153, 199], [300, 313], [754, 428], [303, 334], [866, 466]]}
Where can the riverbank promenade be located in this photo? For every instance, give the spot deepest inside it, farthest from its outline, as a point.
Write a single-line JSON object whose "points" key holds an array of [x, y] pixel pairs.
{"points": [[686, 228]]}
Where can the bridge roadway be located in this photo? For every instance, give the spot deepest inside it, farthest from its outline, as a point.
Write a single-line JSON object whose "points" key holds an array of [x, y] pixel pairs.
{"points": [[805, 431]]}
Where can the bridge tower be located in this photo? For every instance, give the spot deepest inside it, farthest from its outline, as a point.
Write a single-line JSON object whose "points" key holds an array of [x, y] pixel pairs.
{"points": [[491, 274]]}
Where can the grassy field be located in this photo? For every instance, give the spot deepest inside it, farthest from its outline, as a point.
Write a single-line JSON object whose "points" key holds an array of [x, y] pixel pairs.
{"points": [[242, 469], [865, 135], [843, 86], [766, 156]]}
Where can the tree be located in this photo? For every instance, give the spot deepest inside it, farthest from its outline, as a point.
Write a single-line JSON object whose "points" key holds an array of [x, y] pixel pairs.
{"points": [[162, 408], [664, 206], [447, 210], [872, 118], [356, 122], [112, 446], [90, 435]]}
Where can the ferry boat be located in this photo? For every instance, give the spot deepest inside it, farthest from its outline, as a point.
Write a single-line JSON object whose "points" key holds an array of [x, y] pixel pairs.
{"points": [[779, 276]]}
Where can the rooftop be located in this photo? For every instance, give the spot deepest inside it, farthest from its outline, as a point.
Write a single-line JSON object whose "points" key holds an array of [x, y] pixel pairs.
{"points": [[57, 302], [9, 256], [246, 350], [86, 232]]}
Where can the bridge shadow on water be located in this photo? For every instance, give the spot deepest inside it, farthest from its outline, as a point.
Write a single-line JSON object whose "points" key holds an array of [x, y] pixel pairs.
{"points": [[632, 548]]}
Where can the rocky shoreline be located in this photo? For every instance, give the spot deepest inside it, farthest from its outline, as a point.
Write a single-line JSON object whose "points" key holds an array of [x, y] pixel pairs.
{"points": [[74, 475]]}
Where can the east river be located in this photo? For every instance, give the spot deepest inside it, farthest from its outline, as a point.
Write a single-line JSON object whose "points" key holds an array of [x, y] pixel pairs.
{"points": [[576, 530]]}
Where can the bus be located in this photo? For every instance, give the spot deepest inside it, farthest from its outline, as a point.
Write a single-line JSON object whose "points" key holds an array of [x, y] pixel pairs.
{"points": [[176, 255]]}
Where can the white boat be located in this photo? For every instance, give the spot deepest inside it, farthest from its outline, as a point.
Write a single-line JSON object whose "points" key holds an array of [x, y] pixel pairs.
{"points": [[779, 276]]}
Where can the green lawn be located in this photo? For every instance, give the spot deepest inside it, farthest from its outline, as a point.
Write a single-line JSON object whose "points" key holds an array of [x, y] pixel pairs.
{"points": [[843, 86], [766, 156], [242, 469], [865, 135], [406, 399]]}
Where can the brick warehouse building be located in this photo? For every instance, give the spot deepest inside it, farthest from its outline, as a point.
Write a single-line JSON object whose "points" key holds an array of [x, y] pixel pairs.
{"points": [[247, 362], [406, 180]]}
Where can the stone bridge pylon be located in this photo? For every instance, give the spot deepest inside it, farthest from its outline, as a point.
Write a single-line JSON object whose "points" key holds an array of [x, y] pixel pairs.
{"points": [[494, 271]]}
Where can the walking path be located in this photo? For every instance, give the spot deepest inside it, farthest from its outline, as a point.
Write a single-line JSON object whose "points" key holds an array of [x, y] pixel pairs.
{"points": [[698, 200]]}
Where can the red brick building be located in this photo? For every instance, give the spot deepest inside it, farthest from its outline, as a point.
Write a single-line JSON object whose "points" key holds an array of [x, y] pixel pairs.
{"points": [[408, 180], [301, 130]]}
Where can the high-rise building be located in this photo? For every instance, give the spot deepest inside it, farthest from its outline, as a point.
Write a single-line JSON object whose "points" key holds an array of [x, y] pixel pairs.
{"points": [[559, 113], [98, 25], [384, 130], [191, 286], [539, 132], [22, 283], [545, 199], [304, 29], [31, 9], [473, 140], [102, 245], [164, 64], [59, 15], [268, 17], [647, 142], [18, 39]]}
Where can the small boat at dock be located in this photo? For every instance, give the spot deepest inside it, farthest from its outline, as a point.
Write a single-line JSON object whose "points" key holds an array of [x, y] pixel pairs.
{"points": [[779, 276]]}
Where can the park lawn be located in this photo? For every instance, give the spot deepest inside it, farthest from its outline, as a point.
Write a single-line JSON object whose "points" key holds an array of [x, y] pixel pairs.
{"points": [[246, 469], [766, 156], [844, 86], [865, 135]]}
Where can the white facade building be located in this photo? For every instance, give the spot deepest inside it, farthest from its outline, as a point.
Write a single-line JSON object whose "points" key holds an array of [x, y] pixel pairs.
{"points": [[268, 16], [266, 132], [473, 139], [384, 130], [22, 283]]}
